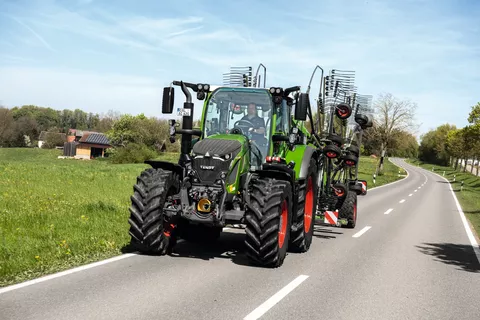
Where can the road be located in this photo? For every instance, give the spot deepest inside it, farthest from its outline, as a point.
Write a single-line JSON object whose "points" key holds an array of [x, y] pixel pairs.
{"points": [[408, 258]]}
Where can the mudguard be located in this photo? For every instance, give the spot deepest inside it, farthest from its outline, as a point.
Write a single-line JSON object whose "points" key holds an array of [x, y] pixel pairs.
{"points": [[307, 155], [168, 166]]}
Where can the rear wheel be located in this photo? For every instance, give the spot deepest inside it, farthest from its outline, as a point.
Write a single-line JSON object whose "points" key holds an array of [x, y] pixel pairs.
{"points": [[268, 215], [149, 229], [348, 209], [304, 220]]}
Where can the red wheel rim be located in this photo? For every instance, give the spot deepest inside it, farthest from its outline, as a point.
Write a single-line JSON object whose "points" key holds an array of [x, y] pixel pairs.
{"points": [[283, 224], [308, 215]]}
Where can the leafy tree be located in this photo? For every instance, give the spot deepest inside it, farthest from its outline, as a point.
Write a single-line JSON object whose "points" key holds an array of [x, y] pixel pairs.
{"points": [[433, 145], [7, 125]]}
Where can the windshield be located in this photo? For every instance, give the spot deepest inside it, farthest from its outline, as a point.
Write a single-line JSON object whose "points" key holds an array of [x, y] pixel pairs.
{"points": [[244, 111]]}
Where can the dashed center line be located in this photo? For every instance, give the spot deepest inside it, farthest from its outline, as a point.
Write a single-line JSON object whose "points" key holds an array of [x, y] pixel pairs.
{"points": [[267, 305], [402, 201], [359, 233], [411, 194], [388, 211], [415, 190]]}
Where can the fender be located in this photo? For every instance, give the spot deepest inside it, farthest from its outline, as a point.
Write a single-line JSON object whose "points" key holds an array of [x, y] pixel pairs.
{"points": [[307, 155], [278, 170], [167, 166]]}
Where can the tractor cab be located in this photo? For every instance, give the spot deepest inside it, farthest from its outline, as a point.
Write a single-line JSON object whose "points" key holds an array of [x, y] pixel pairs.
{"points": [[248, 112]]}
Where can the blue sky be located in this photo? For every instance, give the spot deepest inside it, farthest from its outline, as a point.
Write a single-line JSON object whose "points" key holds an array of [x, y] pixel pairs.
{"points": [[117, 55]]}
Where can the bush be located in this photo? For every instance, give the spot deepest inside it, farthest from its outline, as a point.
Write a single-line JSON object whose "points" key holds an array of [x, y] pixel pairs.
{"points": [[132, 153]]}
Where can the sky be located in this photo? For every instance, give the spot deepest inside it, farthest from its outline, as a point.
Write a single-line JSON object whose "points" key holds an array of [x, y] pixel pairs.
{"points": [[118, 55]]}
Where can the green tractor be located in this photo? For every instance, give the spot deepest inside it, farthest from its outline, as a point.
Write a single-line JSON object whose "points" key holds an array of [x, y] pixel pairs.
{"points": [[251, 165]]}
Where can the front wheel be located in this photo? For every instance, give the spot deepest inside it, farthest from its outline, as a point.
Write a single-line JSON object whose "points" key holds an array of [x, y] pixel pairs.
{"points": [[268, 218], [149, 230]]}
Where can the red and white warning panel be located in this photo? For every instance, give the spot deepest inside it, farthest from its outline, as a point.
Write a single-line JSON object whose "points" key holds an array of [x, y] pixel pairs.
{"points": [[331, 217]]}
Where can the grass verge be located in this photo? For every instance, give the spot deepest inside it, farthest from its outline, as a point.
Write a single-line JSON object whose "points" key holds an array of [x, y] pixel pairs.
{"points": [[56, 214], [469, 196], [390, 172]]}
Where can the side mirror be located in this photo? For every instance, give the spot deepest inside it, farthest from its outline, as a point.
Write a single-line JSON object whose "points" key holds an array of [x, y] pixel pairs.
{"points": [[302, 106], [168, 99]]}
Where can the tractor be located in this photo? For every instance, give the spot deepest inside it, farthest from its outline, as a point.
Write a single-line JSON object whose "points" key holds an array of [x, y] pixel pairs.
{"points": [[251, 163]]}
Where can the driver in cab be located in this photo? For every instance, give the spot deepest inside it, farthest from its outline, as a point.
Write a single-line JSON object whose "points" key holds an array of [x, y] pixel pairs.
{"points": [[258, 130]]}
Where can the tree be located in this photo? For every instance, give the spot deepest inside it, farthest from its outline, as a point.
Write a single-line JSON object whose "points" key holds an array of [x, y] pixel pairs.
{"points": [[7, 126], [474, 116], [433, 147], [454, 145], [392, 115]]}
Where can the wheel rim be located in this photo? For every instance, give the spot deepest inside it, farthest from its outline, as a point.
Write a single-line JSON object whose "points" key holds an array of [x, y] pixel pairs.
{"points": [[283, 224], [308, 215]]}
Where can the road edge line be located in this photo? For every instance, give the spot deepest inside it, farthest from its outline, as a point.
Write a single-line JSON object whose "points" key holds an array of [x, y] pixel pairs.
{"points": [[390, 183], [276, 298], [64, 273], [466, 225]]}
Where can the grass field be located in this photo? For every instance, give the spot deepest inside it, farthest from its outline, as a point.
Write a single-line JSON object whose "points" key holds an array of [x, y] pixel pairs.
{"points": [[59, 213], [469, 196]]}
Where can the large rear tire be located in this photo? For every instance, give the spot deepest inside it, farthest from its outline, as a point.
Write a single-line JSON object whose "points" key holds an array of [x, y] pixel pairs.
{"points": [[149, 230], [304, 220], [268, 219]]}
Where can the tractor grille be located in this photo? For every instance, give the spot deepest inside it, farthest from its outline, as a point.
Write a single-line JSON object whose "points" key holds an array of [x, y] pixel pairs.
{"points": [[210, 175]]}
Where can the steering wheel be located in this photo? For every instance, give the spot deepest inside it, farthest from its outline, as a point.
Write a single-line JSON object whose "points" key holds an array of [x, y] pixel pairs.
{"points": [[247, 125]]}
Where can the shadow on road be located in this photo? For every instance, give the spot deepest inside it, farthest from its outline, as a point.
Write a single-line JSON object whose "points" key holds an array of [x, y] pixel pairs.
{"points": [[462, 256], [230, 245], [324, 231]]}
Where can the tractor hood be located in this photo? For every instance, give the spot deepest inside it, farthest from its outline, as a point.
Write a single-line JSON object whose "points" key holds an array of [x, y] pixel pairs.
{"points": [[226, 146]]}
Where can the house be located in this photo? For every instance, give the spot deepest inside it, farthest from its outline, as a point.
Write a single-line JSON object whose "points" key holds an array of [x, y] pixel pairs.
{"points": [[85, 144], [44, 134]]}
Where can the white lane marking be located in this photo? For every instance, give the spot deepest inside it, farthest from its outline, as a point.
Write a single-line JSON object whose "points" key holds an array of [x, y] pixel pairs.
{"points": [[415, 190], [64, 273], [471, 237], [267, 305], [388, 211], [402, 201], [359, 233], [411, 194]]}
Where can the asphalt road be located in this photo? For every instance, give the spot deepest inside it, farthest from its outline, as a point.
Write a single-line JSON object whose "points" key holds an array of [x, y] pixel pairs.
{"points": [[408, 259]]}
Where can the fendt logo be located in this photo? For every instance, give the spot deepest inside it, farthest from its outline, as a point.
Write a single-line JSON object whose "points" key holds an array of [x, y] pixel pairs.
{"points": [[207, 167]]}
